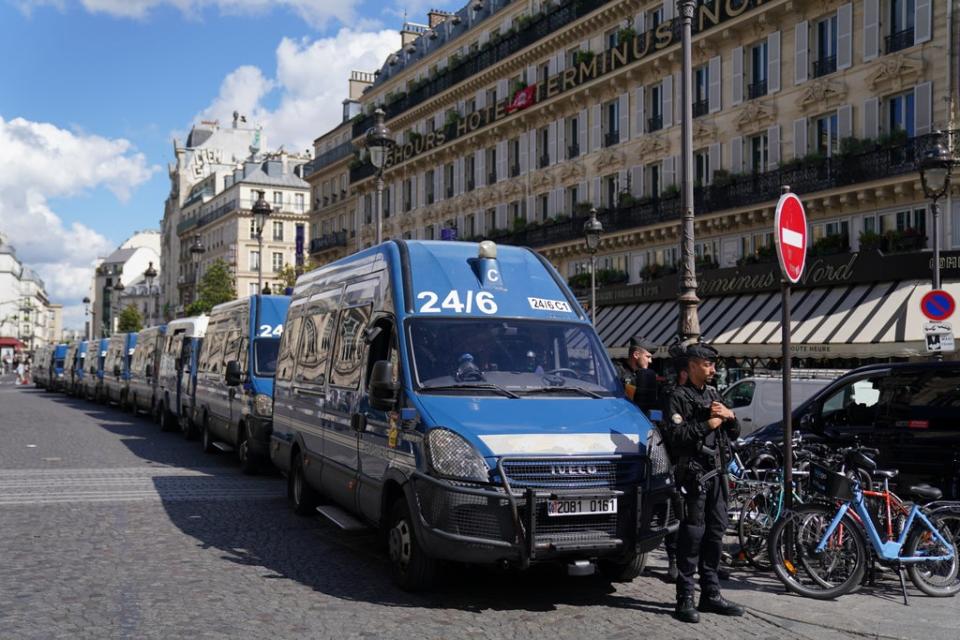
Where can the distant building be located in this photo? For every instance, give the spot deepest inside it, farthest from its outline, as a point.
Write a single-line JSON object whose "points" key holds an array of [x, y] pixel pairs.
{"points": [[125, 266], [25, 309]]}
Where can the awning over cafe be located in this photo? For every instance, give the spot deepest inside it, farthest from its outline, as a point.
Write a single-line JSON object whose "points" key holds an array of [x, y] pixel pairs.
{"points": [[867, 320]]}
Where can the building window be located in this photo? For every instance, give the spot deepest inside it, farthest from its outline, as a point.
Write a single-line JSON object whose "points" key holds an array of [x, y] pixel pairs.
{"points": [[826, 35], [901, 25], [653, 180], [491, 96], [428, 178], [900, 113], [572, 135], [612, 38], [543, 144], [611, 123], [386, 202], [470, 172], [253, 229], [407, 195], [277, 198], [570, 199], [368, 208], [543, 208], [471, 105], [839, 229], [491, 164], [513, 157], [571, 62], [757, 146], [543, 72], [701, 164], [298, 202], [707, 252], [608, 197], [448, 180], [278, 231], [277, 261], [701, 91], [252, 288], [654, 18], [655, 121], [490, 221], [254, 260], [758, 70], [827, 142]]}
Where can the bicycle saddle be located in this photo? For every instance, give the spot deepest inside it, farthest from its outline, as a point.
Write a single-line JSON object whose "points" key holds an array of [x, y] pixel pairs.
{"points": [[889, 474], [925, 491]]}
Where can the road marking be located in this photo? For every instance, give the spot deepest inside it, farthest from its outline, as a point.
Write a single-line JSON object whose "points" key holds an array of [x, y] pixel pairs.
{"points": [[792, 238]]}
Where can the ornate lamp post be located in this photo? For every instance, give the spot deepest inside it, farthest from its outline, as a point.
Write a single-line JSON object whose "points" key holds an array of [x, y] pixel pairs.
{"points": [[379, 141], [149, 275], [86, 312], [196, 254], [592, 229], [261, 211], [689, 323], [115, 303], [935, 168]]}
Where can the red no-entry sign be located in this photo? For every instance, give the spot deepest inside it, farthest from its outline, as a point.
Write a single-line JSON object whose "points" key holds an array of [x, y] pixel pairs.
{"points": [[790, 226]]}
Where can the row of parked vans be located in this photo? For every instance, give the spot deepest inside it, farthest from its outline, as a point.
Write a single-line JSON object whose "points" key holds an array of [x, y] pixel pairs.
{"points": [[454, 395]]}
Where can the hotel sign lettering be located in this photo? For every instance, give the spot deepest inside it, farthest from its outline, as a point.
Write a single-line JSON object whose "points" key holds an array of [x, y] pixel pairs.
{"points": [[709, 14]]}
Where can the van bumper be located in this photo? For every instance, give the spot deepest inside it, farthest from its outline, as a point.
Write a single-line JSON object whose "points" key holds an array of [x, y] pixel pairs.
{"points": [[259, 431], [487, 525]]}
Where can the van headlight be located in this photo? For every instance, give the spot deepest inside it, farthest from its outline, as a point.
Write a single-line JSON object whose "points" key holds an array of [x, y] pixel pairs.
{"points": [[263, 405], [452, 456]]}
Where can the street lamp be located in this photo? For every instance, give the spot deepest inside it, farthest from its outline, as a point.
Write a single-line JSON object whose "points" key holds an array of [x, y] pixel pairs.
{"points": [[689, 323], [196, 254], [592, 229], [149, 276], [261, 211], [935, 167], [115, 304], [379, 141], [86, 312]]}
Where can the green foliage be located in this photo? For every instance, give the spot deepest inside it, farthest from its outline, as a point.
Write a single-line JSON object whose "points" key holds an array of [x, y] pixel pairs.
{"points": [[519, 224], [672, 191], [129, 320], [216, 287], [654, 271], [722, 178], [452, 117], [625, 34], [625, 199], [583, 57], [583, 208], [870, 241], [287, 276], [830, 245]]}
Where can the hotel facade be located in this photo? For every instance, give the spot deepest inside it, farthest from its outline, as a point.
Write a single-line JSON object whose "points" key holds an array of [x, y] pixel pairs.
{"points": [[515, 118]]}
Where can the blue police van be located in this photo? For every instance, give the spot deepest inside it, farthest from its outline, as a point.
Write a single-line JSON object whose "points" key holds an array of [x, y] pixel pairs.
{"points": [[457, 396], [93, 381], [177, 382], [116, 366], [234, 388], [79, 369], [142, 392], [57, 362]]}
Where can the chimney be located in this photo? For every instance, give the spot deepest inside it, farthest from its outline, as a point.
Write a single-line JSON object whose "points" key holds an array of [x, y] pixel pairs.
{"points": [[436, 17], [359, 81], [407, 36]]}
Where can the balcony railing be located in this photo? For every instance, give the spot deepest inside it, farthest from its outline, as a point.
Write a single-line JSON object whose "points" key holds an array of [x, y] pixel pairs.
{"points": [[824, 66], [328, 241], [654, 124], [611, 138], [740, 191], [757, 89], [573, 151], [701, 108], [899, 40], [538, 28], [206, 218], [328, 157]]}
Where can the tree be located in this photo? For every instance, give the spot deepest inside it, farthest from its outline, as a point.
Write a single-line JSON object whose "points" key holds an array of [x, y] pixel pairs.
{"points": [[216, 287], [287, 276], [129, 320]]}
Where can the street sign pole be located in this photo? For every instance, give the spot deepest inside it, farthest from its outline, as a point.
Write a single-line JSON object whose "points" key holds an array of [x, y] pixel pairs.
{"points": [[790, 227]]}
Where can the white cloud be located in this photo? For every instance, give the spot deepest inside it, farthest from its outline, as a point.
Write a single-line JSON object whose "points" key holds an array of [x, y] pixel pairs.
{"points": [[42, 161], [315, 12], [309, 88]]}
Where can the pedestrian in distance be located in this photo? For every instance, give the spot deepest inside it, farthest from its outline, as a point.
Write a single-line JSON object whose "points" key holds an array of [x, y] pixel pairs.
{"points": [[699, 428]]}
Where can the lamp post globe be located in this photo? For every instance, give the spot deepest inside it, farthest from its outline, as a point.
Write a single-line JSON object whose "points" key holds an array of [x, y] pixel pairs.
{"points": [[150, 275], [196, 254], [261, 210], [935, 167], [379, 141], [592, 229]]}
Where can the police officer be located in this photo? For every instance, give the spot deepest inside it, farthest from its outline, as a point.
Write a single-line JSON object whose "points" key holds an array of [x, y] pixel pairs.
{"points": [[699, 427], [635, 373]]}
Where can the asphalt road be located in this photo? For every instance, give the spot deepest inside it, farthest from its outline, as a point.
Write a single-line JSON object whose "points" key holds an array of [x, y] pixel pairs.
{"points": [[111, 529]]}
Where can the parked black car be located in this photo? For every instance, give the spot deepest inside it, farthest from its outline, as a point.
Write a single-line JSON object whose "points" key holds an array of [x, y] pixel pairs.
{"points": [[909, 411]]}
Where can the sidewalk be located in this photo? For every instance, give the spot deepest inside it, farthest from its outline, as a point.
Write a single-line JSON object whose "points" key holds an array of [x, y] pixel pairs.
{"points": [[873, 612]]}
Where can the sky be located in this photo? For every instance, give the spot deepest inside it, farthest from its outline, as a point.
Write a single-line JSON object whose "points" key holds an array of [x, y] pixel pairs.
{"points": [[93, 92]]}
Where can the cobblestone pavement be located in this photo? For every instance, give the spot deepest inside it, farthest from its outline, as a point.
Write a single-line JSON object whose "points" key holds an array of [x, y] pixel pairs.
{"points": [[111, 529]]}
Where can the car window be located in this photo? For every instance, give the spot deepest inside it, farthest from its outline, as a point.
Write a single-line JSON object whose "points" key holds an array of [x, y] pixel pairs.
{"points": [[740, 394], [854, 403]]}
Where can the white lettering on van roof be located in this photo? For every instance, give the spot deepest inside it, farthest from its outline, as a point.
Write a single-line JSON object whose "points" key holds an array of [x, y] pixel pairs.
{"points": [[562, 443]]}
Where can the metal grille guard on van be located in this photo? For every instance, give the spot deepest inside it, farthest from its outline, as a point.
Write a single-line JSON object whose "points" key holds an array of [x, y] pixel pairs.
{"points": [[511, 522]]}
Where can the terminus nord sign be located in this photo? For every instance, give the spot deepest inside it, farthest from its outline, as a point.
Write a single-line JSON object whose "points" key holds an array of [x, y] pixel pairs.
{"points": [[709, 14]]}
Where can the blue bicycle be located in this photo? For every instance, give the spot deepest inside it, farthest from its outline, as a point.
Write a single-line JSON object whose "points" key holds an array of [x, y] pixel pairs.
{"points": [[820, 550]]}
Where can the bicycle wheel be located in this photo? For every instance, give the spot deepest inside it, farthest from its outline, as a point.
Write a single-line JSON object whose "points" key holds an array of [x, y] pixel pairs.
{"points": [[753, 528], [937, 578], [823, 575]]}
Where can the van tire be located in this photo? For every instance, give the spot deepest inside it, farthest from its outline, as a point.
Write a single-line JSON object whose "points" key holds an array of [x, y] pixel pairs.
{"points": [[206, 438], [412, 569], [249, 464], [303, 498], [187, 429], [623, 571]]}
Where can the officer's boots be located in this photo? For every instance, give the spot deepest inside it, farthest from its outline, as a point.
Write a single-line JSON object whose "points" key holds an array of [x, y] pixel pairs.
{"points": [[716, 603], [685, 611]]}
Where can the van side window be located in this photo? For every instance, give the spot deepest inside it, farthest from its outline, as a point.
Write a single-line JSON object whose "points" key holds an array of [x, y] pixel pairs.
{"points": [[286, 359], [215, 357], [349, 350], [231, 349], [315, 340]]}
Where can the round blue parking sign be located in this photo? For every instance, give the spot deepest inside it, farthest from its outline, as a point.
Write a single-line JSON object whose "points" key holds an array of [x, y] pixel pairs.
{"points": [[937, 305]]}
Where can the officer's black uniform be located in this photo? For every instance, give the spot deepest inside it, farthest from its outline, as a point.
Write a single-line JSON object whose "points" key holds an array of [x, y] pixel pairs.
{"points": [[701, 456], [647, 393]]}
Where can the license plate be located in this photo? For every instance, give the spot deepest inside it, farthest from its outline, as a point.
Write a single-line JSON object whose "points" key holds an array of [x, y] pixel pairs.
{"points": [[581, 506]]}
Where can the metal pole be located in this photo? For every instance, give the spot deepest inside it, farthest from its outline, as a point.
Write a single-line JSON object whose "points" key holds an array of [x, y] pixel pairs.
{"points": [[935, 208], [259, 260], [593, 289], [787, 402], [379, 207], [689, 323]]}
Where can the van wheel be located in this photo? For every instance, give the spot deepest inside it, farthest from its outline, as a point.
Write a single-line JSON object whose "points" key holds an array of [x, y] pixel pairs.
{"points": [[303, 497], [623, 571], [412, 569], [167, 420], [206, 438], [248, 462]]}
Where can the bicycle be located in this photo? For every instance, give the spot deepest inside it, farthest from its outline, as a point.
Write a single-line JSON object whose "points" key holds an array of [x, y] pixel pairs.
{"points": [[820, 551]]}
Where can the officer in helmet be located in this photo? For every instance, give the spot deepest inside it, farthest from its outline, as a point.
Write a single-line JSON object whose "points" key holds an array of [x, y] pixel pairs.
{"points": [[699, 428]]}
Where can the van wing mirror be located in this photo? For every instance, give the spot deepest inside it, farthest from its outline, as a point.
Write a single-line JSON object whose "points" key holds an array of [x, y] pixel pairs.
{"points": [[233, 375], [382, 389]]}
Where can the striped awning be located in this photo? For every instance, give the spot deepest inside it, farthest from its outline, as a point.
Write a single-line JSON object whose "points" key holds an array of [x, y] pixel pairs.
{"points": [[878, 320]]}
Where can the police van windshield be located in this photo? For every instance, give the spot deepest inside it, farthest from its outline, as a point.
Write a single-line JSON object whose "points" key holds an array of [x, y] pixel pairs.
{"points": [[265, 356], [535, 356]]}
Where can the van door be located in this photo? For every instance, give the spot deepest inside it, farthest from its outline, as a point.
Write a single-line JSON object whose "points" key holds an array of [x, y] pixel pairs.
{"points": [[340, 441]]}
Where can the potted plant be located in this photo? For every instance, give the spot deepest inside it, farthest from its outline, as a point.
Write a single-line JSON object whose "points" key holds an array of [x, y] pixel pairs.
{"points": [[625, 34], [671, 191], [579, 281], [870, 241], [583, 57]]}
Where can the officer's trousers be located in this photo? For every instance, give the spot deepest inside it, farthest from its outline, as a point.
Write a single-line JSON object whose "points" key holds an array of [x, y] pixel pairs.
{"points": [[700, 538]]}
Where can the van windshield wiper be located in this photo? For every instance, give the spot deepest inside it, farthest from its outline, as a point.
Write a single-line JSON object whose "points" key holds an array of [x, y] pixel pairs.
{"points": [[473, 386], [562, 389]]}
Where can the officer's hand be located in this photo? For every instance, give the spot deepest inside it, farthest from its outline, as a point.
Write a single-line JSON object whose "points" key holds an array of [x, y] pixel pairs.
{"points": [[713, 423], [719, 410]]}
